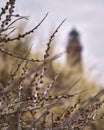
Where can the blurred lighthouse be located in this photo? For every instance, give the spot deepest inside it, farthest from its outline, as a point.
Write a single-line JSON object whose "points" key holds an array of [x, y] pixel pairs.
{"points": [[74, 51]]}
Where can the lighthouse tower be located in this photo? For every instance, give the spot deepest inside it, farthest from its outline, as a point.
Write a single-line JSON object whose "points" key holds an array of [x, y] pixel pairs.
{"points": [[74, 50]]}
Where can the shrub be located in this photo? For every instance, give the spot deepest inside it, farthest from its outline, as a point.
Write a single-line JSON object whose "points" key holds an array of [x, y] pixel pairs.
{"points": [[29, 99]]}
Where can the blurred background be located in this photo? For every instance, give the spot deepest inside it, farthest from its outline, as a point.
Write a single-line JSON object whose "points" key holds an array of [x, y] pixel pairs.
{"points": [[85, 15]]}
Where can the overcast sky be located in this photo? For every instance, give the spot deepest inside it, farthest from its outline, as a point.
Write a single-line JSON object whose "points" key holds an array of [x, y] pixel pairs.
{"points": [[86, 15]]}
